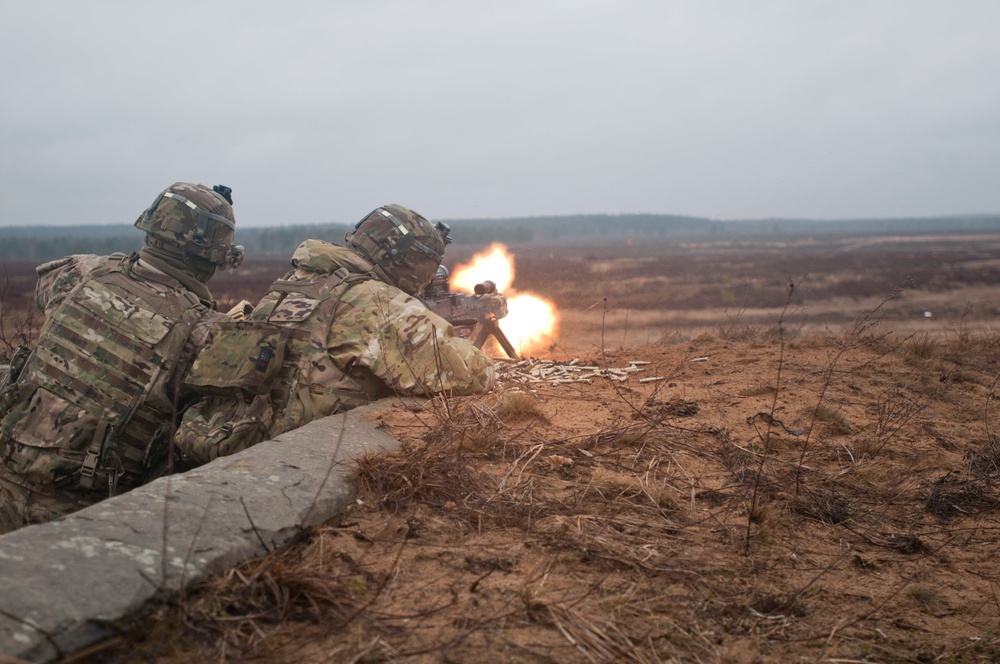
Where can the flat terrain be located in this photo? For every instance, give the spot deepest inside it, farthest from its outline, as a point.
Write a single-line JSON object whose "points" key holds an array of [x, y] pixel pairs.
{"points": [[628, 295], [781, 457]]}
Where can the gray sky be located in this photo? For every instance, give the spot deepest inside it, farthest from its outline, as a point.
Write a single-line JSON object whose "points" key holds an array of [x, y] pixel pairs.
{"points": [[321, 110]]}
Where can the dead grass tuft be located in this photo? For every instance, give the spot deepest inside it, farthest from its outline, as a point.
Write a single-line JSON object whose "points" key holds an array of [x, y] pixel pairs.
{"points": [[306, 581], [829, 506], [763, 389], [832, 420], [927, 597], [920, 350], [659, 410], [434, 474], [908, 543], [984, 459], [950, 497], [517, 406]]}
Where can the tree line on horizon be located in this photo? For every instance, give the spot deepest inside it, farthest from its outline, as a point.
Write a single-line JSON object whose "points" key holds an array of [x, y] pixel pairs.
{"points": [[48, 242]]}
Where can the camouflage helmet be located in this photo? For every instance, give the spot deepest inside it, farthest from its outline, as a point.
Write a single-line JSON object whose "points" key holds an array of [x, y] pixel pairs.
{"points": [[403, 246], [197, 220]]}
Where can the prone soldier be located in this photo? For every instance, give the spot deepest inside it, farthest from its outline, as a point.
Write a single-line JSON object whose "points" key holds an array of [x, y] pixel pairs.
{"points": [[356, 330]]}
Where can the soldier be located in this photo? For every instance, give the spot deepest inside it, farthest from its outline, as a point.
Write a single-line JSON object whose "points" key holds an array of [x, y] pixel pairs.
{"points": [[356, 333], [88, 412]]}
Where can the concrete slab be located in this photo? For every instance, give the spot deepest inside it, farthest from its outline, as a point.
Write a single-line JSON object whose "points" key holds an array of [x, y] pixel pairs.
{"points": [[72, 582]]}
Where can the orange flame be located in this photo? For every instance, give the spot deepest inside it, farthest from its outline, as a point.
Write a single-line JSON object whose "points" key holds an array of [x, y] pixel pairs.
{"points": [[529, 322], [530, 319], [495, 264]]}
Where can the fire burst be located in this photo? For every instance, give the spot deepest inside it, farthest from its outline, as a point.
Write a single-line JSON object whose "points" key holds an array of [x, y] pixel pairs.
{"points": [[530, 319]]}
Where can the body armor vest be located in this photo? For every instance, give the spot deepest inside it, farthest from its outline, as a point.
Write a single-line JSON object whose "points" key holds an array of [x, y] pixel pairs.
{"points": [[93, 406], [310, 385]]}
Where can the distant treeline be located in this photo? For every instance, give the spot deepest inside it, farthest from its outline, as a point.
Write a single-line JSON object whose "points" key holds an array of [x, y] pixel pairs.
{"points": [[46, 242]]}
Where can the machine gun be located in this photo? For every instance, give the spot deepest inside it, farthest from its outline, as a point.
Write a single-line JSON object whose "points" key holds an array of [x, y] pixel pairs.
{"points": [[475, 317]]}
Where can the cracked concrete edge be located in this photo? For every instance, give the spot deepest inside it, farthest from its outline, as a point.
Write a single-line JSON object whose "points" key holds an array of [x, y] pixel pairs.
{"points": [[75, 581]]}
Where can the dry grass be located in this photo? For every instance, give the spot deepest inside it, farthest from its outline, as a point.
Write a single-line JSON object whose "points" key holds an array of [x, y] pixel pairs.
{"points": [[640, 541], [832, 420], [918, 351]]}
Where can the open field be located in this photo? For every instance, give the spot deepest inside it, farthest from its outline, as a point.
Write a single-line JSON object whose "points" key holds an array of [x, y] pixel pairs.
{"points": [[641, 294], [813, 476], [682, 289]]}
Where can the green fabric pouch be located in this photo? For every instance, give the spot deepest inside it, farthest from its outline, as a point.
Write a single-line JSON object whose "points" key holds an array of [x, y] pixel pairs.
{"points": [[240, 357]]}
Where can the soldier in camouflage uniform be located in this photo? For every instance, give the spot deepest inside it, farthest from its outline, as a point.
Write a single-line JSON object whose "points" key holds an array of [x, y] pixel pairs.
{"points": [[87, 413], [356, 333]]}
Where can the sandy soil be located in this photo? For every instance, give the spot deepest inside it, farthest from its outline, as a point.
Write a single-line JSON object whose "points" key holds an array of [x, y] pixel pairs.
{"points": [[774, 498]]}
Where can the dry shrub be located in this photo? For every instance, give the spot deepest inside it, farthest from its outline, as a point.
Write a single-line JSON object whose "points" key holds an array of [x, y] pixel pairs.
{"points": [[892, 411], [702, 338], [440, 471], [814, 341], [486, 424], [435, 474], [918, 351], [20, 323], [984, 460], [907, 543], [594, 638], [952, 497], [880, 482], [742, 465], [979, 352], [760, 512], [614, 486], [741, 333]]}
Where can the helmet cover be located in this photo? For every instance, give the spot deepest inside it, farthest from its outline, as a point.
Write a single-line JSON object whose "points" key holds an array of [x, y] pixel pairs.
{"points": [[197, 220], [402, 245]]}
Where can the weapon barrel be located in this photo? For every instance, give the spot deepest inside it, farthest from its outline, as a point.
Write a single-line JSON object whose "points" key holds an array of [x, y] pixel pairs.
{"points": [[485, 288]]}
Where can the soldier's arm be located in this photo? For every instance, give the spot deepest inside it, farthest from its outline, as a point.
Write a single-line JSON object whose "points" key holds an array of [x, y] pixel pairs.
{"points": [[412, 350]]}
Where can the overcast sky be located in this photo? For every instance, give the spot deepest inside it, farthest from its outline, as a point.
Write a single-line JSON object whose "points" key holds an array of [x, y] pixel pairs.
{"points": [[320, 110]]}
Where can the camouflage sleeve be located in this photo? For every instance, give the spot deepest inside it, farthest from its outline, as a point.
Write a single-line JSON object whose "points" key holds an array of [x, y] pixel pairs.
{"points": [[57, 278], [411, 349]]}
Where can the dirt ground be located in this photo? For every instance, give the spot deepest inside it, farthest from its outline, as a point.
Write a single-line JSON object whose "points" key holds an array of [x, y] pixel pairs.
{"points": [[806, 468], [816, 498]]}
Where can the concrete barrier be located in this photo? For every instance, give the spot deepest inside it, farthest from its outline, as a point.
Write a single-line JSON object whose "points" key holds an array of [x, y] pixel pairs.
{"points": [[75, 581]]}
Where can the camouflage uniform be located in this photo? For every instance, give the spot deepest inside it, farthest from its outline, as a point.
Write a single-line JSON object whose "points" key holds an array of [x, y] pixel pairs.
{"points": [[89, 412], [354, 339], [355, 336]]}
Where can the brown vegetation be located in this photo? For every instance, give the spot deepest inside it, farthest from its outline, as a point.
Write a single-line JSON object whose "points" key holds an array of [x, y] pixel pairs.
{"points": [[780, 494]]}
